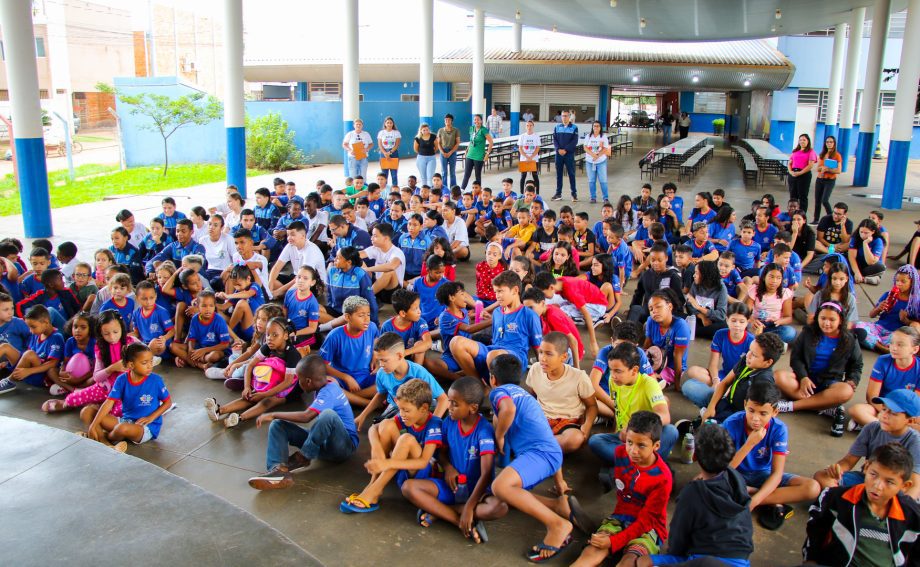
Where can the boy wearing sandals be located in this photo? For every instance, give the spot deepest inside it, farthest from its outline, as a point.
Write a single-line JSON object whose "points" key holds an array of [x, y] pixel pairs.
{"points": [[402, 446], [468, 460]]}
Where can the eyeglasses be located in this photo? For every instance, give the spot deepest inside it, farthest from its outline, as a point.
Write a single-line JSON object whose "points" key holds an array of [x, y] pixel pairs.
{"points": [[80, 275]]}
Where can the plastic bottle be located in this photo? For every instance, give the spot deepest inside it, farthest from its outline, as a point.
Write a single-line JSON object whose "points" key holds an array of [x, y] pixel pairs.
{"points": [[830, 249], [462, 493], [688, 448]]}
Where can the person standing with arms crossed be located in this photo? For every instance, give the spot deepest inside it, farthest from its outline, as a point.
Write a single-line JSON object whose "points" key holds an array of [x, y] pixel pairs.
{"points": [[447, 142], [565, 140]]}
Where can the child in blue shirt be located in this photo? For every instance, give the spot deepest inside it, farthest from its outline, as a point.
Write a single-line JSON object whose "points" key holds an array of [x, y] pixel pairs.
{"points": [[625, 331], [120, 286], [265, 211], [669, 333], [730, 344], [453, 322], [40, 260], [427, 288], [38, 365], [170, 216], [144, 399], [151, 323], [242, 303], [467, 456], [393, 371], [408, 441], [155, 241], [349, 351], [731, 278], [302, 306], [746, 251], [14, 335], [347, 278], [414, 244], [762, 442], [332, 437], [409, 325], [208, 338], [897, 370], [79, 350]]}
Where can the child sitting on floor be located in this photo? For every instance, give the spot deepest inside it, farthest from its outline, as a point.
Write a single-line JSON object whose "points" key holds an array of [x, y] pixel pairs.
{"points": [[14, 335], [152, 324], [38, 365], [240, 304], [554, 319], [79, 350], [208, 336], [453, 322], [728, 394], [349, 351], [408, 324], [893, 371]]}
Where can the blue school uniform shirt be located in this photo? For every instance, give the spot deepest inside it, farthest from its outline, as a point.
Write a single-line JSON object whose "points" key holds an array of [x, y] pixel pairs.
{"points": [[466, 448], [877, 246], [301, 310], [17, 333], [414, 250], [731, 352], [893, 377], [622, 257], [410, 335], [343, 284], [678, 335], [765, 238], [151, 247], [331, 397], [166, 302], [377, 206], [501, 221], [760, 459], [449, 325], [355, 237], [530, 430], [697, 216], [141, 400], [126, 310], [795, 262], [746, 255], [256, 300], [720, 232], [11, 286], [287, 219], [399, 227], [677, 205], [71, 348], [29, 285], [599, 239], [426, 291], [267, 216], [642, 234], [429, 433], [153, 325], [209, 334], [169, 223], [174, 252], [436, 232], [700, 251], [891, 320], [600, 363], [388, 383], [731, 281], [51, 347], [516, 331], [351, 354], [129, 256]]}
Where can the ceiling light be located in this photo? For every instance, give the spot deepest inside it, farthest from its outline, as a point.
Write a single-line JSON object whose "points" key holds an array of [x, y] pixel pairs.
{"points": [[517, 15], [696, 78], [779, 14], [747, 82], [773, 29], [635, 78], [613, 3], [642, 23]]}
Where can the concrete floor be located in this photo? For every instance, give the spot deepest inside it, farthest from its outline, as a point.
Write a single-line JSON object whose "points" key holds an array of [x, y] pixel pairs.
{"points": [[220, 461]]}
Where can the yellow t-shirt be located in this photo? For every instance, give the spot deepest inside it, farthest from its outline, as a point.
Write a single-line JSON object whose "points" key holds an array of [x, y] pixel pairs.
{"points": [[522, 232], [645, 394]]}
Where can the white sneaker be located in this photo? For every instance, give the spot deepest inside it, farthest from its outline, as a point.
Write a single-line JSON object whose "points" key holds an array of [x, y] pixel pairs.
{"points": [[233, 419], [872, 280], [436, 346], [853, 426], [157, 361], [215, 373], [56, 390], [211, 403]]}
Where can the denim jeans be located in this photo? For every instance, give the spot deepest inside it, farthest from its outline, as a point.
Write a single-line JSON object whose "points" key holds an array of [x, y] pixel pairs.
{"points": [[697, 392], [392, 173], [326, 439], [449, 170], [565, 162], [785, 332], [426, 168], [597, 173], [666, 133], [604, 444], [357, 167]]}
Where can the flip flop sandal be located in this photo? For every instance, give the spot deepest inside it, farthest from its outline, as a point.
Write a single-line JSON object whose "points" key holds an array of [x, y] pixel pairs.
{"points": [[52, 406], [479, 528], [352, 507], [534, 555], [579, 517], [424, 519]]}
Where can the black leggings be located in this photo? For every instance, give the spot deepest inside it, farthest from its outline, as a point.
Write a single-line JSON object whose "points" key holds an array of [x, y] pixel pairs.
{"points": [[823, 190], [870, 269], [799, 187], [468, 166], [709, 331], [536, 181]]}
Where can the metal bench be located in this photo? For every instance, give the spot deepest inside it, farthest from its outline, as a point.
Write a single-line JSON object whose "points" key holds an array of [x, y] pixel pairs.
{"points": [[748, 164], [692, 164]]}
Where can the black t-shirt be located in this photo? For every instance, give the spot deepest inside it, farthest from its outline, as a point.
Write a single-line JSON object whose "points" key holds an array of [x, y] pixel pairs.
{"points": [[426, 148], [805, 242], [582, 241], [545, 241], [290, 355], [832, 230]]}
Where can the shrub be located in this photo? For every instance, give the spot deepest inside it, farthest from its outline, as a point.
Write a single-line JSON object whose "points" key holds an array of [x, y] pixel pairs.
{"points": [[270, 145]]}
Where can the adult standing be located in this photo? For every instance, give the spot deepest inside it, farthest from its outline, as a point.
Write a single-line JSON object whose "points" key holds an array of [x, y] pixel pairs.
{"points": [[801, 162], [476, 152], [827, 176], [666, 120], [528, 152], [494, 123], [388, 140], [684, 125], [527, 116], [447, 142], [357, 166], [597, 148], [427, 160], [565, 140]]}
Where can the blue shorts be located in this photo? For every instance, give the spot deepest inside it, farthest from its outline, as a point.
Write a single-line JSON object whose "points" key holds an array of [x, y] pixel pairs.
{"points": [[852, 478], [449, 360], [481, 360], [672, 559], [148, 435], [756, 479], [38, 380], [424, 474], [445, 494], [536, 466]]}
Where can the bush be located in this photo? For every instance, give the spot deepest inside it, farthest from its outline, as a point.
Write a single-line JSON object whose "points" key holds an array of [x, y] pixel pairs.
{"points": [[718, 125], [270, 145]]}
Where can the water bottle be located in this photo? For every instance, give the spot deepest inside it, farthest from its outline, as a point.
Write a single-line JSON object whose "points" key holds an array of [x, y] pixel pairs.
{"points": [[688, 448], [463, 492], [830, 249]]}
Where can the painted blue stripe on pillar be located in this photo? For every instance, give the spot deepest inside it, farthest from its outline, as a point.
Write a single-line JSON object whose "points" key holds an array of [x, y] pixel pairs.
{"points": [[236, 158], [515, 123], [865, 147], [829, 130], [843, 146], [347, 126], [895, 174], [429, 120], [33, 187]]}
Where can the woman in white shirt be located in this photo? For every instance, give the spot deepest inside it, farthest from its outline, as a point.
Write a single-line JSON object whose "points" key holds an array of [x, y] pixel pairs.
{"points": [[388, 141], [357, 167], [235, 206], [218, 251], [597, 148], [529, 151]]}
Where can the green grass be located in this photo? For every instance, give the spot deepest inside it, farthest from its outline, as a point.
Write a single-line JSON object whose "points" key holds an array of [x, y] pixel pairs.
{"points": [[110, 181], [84, 139]]}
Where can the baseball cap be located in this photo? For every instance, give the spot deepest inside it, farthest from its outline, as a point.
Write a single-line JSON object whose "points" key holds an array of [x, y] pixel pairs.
{"points": [[901, 401]]}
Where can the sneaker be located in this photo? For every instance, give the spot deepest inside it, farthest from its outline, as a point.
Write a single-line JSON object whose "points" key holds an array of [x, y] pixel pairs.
{"points": [[297, 462], [275, 478], [556, 198], [56, 390], [212, 409], [593, 201], [574, 199], [599, 323], [840, 419], [233, 419], [214, 373], [828, 412], [853, 426], [616, 320], [157, 360], [872, 280], [234, 384], [7, 385], [773, 517], [784, 406]]}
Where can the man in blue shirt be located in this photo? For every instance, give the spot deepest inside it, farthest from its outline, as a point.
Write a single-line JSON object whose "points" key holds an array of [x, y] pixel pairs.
{"points": [[346, 234], [565, 140], [182, 247]]}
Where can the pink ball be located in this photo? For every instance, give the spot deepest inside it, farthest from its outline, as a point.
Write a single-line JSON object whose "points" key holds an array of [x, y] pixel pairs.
{"points": [[78, 365]]}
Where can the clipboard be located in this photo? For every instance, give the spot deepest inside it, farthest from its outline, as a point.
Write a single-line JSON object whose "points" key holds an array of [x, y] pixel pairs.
{"points": [[389, 163], [358, 150], [527, 166]]}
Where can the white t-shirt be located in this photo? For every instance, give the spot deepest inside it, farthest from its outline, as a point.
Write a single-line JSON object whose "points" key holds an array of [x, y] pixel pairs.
{"points": [[596, 143], [528, 143], [231, 219], [387, 139], [218, 254], [353, 137], [137, 235], [457, 232], [309, 255], [199, 233], [360, 223], [527, 116], [263, 271], [321, 218], [380, 257], [370, 219]]}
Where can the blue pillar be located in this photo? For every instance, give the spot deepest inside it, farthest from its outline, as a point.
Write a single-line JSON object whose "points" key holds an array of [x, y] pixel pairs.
{"points": [[234, 109], [603, 106], [301, 94], [843, 146], [865, 147], [515, 123], [236, 158], [25, 111], [829, 130], [895, 174]]}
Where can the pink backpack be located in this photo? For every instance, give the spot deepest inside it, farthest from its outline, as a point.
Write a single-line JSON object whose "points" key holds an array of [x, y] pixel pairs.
{"points": [[268, 373]]}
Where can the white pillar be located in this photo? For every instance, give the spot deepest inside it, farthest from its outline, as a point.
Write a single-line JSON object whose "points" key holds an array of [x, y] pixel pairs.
{"points": [[477, 87], [350, 86], [426, 65], [515, 114], [26, 114], [904, 106], [234, 110], [833, 92], [854, 46], [868, 112]]}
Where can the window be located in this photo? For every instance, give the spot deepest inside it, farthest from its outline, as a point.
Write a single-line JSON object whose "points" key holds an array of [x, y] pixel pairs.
{"points": [[40, 47], [807, 96], [320, 91], [43, 94], [709, 103], [409, 98], [462, 92]]}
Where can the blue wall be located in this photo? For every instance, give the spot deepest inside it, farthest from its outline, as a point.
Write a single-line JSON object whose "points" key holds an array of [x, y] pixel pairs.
{"points": [[376, 92], [699, 121]]}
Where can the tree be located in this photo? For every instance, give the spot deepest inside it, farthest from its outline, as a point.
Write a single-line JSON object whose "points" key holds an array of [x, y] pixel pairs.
{"points": [[168, 114]]}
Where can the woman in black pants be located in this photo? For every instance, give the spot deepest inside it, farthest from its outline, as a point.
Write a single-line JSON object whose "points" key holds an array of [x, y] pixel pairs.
{"points": [[476, 152], [800, 164], [827, 177]]}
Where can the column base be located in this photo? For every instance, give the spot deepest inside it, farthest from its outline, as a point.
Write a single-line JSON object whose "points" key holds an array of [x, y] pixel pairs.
{"points": [[33, 187], [895, 174], [865, 146], [843, 146], [236, 158]]}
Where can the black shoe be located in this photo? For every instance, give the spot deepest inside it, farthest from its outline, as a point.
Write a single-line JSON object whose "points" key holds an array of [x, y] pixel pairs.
{"points": [[840, 421], [557, 197], [773, 517]]}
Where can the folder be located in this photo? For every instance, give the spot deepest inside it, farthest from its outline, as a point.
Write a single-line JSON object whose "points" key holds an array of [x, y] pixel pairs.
{"points": [[389, 163], [525, 166], [358, 149], [830, 163]]}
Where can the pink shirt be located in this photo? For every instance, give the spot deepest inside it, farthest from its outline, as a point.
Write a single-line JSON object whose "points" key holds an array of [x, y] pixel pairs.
{"points": [[100, 376], [800, 159]]}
